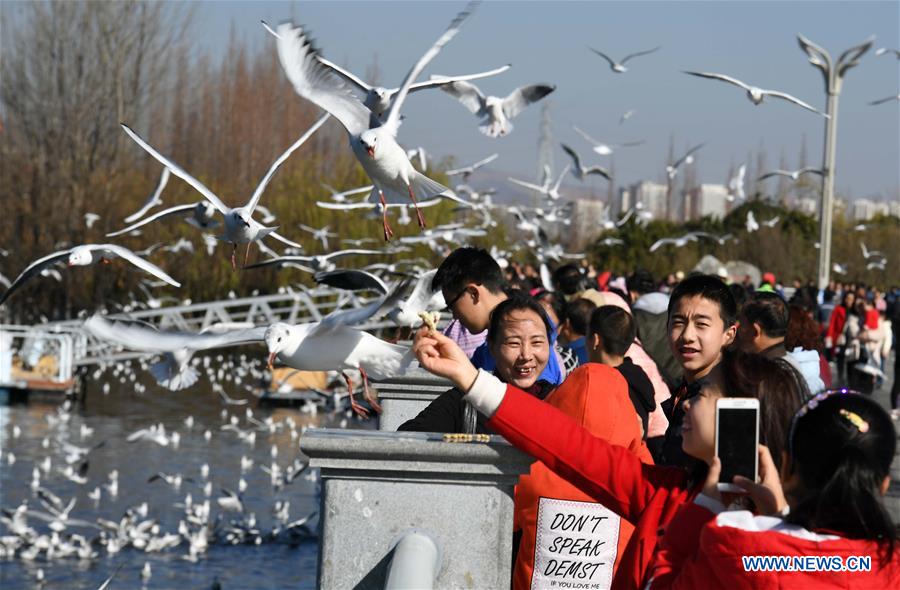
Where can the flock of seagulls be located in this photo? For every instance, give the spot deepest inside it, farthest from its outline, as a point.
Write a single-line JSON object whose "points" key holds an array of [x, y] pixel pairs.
{"points": [[395, 289]]}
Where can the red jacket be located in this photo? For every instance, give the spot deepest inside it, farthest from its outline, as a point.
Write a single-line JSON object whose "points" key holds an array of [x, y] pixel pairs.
{"points": [[836, 326], [713, 556], [648, 496], [596, 396]]}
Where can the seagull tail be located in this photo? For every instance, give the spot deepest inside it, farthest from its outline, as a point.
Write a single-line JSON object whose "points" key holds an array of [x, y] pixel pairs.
{"points": [[425, 188], [174, 378]]}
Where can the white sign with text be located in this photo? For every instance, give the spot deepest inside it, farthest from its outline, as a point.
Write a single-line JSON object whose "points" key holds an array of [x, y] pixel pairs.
{"points": [[575, 545]]}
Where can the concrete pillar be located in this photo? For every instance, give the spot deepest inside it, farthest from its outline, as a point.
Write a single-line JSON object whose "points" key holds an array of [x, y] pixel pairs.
{"points": [[404, 397], [378, 485]]}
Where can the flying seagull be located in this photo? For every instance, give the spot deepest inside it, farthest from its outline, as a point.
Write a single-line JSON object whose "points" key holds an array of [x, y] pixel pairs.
{"points": [[85, 255], [604, 149], [551, 192], [755, 94], [884, 100], [619, 67], [579, 170], [496, 113], [200, 215], [240, 227], [792, 174], [372, 139], [687, 158], [466, 171]]}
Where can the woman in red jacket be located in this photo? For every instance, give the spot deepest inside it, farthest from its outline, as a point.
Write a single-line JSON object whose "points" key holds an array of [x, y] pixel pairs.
{"points": [[826, 527], [648, 496]]}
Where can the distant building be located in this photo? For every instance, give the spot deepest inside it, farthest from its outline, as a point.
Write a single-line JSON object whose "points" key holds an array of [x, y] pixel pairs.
{"points": [[587, 218], [807, 205], [894, 207], [706, 200], [651, 196], [866, 209]]}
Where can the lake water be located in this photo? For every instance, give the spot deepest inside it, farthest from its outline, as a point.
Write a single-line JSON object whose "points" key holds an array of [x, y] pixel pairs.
{"points": [[122, 410]]}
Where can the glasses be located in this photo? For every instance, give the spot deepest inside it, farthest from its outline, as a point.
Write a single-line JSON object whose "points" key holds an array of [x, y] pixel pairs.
{"points": [[452, 302]]}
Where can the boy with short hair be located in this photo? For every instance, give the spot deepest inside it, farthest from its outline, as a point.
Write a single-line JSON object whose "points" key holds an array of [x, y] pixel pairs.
{"points": [[574, 329], [702, 323], [611, 333]]}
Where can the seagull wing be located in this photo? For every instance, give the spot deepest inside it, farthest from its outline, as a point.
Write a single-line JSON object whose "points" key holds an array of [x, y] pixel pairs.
{"points": [[574, 155], [533, 187], [687, 155], [662, 242], [810, 170], [32, 269], [422, 292], [178, 171], [523, 96], [346, 75], [392, 118], [351, 280], [284, 240], [587, 137], [153, 199], [254, 200], [177, 210], [797, 101], [721, 77], [118, 251], [884, 100], [279, 261], [640, 53], [437, 80], [467, 94], [598, 170], [611, 63], [317, 83], [484, 162], [774, 173], [345, 206]]}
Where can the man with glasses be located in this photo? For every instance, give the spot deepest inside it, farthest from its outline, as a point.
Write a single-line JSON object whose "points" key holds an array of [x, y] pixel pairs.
{"points": [[472, 283]]}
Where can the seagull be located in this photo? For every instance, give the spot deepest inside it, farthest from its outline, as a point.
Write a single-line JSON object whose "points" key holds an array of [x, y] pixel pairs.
{"points": [[579, 170], [792, 174], [153, 200], [421, 155], [772, 222], [173, 480], [379, 99], [757, 95], [341, 197], [879, 264], [372, 139], [466, 171], [317, 262], [870, 253], [677, 242], [352, 280], [627, 115], [840, 269], [551, 193], [875, 102], [90, 219], [240, 227], [174, 371], [751, 222], [228, 401], [321, 234], [887, 51], [687, 158], [328, 346], [495, 112], [85, 255], [736, 185], [619, 67], [200, 215], [603, 149]]}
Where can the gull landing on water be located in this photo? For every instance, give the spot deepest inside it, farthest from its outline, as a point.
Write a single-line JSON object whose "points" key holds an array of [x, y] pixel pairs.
{"points": [[240, 227], [756, 94], [372, 139]]}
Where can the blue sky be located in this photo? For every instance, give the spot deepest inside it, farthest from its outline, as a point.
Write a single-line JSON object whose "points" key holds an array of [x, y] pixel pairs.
{"points": [[547, 42]]}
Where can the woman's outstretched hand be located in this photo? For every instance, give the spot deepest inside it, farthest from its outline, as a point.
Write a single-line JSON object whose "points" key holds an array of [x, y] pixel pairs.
{"points": [[441, 356]]}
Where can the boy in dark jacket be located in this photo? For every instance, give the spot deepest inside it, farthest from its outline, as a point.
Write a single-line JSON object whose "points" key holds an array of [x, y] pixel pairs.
{"points": [[610, 334]]}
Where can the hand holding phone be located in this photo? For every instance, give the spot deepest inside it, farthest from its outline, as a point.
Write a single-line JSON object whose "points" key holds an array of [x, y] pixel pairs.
{"points": [[737, 440]]}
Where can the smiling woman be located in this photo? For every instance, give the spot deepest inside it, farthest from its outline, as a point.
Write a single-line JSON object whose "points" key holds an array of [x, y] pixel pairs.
{"points": [[519, 340]]}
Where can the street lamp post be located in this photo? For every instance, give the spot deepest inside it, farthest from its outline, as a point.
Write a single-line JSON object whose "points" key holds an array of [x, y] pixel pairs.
{"points": [[834, 76]]}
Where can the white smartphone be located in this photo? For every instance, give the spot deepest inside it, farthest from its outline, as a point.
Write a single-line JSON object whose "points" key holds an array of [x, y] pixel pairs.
{"points": [[737, 440]]}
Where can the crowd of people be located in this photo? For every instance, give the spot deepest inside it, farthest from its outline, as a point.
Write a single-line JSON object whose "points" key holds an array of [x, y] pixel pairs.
{"points": [[612, 384]]}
